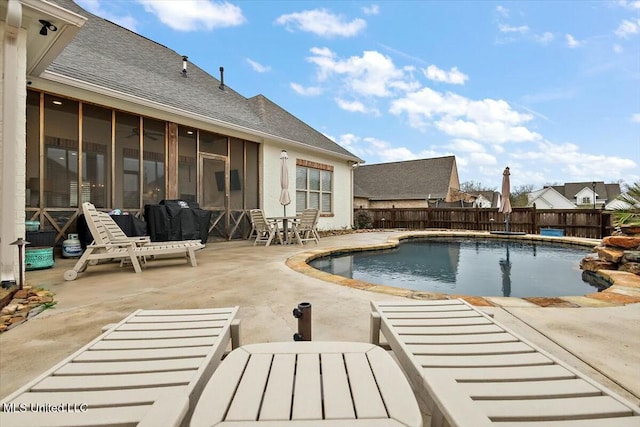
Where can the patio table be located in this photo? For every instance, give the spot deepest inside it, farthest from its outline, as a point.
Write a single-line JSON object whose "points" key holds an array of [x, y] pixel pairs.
{"points": [[308, 383], [285, 226]]}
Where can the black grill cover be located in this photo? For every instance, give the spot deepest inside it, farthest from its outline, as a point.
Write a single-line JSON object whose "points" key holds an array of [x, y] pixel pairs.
{"points": [[177, 220]]}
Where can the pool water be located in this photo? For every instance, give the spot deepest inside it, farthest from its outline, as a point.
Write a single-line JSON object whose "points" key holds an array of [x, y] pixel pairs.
{"points": [[479, 267]]}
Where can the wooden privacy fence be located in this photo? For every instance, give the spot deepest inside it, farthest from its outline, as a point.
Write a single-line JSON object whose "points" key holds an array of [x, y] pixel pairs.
{"points": [[589, 223]]}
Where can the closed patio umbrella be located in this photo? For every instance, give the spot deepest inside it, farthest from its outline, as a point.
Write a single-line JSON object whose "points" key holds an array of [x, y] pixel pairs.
{"points": [[285, 199], [505, 205]]}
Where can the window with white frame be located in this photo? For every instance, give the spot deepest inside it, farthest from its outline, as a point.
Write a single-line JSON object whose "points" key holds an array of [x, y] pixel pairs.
{"points": [[586, 200], [314, 186]]}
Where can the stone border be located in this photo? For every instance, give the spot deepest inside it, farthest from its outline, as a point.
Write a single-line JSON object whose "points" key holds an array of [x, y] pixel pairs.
{"points": [[625, 288]]}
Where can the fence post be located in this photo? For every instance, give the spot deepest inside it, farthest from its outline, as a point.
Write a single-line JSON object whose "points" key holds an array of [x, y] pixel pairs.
{"points": [[477, 213], [534, 219]]}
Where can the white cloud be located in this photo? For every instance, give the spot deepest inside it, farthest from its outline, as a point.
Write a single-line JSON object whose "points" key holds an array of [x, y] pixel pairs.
{"points": [[95, 7], [572, 42], [488, 120], [635, 118], [465, 145], [630, 4], [568, 162], [502, 11], [381, 151], [322, 23], [485, 159], [192, 15], [305, 91], [628, 28], [371, 10], [544, 38], [453, 76], [257, 66], [371, 74], [356, 107], [504, 28]]}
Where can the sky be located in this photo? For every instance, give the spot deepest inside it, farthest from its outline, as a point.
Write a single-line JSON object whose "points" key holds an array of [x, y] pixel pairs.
{"points": [[549, 88]]}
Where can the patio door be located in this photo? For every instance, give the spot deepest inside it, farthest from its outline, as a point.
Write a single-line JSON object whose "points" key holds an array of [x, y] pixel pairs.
{"points": [[214, 192]]}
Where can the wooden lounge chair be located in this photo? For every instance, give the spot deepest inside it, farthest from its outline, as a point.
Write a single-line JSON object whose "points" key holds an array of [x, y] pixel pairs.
{"points": [[265, 230], [147, 370], [304, 228], [469, 370], [104, 247]]}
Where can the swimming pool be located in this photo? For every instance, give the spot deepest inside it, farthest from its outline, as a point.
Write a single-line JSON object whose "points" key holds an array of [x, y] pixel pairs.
{"points": [[468, 266]]}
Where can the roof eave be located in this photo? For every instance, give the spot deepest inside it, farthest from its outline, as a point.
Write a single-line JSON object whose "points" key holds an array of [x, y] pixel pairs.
{"points": [[80, 84]]}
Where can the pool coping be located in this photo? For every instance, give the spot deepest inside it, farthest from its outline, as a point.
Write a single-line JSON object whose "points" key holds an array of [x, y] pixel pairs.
{"points": [[624, 290]]}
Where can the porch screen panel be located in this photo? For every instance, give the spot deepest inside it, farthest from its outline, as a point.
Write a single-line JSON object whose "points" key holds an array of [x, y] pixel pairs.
{"points": [[251, 183], [236, 174], [96, 155], [32, 197], [153, 173], [127, 161], [187, 165], [61, 152], [213, 143]]}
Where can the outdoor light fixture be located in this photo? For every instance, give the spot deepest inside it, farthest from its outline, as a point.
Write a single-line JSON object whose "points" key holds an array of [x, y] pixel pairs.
{"points": [[46, 27], [593, 186], [184, 66]]}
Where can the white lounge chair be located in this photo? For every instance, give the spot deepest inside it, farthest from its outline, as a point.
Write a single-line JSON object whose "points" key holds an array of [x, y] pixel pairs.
{"points": [[265, 230], [305, 227], [147, 370], [469, 370], [105, 247]]}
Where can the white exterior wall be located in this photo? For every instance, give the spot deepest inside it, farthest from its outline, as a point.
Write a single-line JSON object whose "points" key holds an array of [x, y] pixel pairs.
{"points": [[551, 199], [13, 54], [342, 184], [587, 192]]}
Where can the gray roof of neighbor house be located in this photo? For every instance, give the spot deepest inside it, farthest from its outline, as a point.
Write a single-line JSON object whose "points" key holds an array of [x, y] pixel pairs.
{"points": [[110, 56], [411, 179], [604, 191]]}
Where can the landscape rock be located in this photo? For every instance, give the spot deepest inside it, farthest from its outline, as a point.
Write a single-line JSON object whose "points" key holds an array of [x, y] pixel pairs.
{"points": [[625, 242], [630, 267], [609, 254], [595, 264], [631, 256], [10, 309]]}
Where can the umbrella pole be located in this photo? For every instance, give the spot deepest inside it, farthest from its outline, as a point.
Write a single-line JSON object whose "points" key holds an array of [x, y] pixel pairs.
{"points": [[507, 222]]}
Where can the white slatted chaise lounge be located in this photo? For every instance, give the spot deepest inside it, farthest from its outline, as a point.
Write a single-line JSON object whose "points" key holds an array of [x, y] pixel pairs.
{"points": [[147, 370], [105, 248], [470, 370]]}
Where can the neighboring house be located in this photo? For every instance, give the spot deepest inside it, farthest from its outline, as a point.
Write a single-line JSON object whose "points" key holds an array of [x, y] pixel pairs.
{"points": [[574, 195], [406, 184], [94, 112], [623, 204], [487, 199]]}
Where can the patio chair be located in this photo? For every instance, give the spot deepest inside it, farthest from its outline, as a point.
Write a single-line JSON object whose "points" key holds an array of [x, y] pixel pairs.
{"points": [[104, 247], [265, 230], [305, 227], [147, 370], [469, 370]]}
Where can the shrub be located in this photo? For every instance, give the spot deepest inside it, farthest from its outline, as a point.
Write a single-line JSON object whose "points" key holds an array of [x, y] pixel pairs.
{"points": [[363, 220]]}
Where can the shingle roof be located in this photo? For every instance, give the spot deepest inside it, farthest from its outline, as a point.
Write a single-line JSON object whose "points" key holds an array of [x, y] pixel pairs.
{"points": [[604, 191], [112, 57], [412, 179]]}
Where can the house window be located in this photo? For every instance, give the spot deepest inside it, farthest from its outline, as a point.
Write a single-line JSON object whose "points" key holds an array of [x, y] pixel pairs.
{"points": [[314, 186], [586, 200]]}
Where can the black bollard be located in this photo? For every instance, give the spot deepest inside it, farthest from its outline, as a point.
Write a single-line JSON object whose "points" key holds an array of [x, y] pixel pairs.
{"points": [[303, 314]]}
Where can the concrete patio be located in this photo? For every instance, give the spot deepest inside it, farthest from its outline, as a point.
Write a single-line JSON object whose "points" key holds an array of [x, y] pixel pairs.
{"points": [[602, 341]]}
